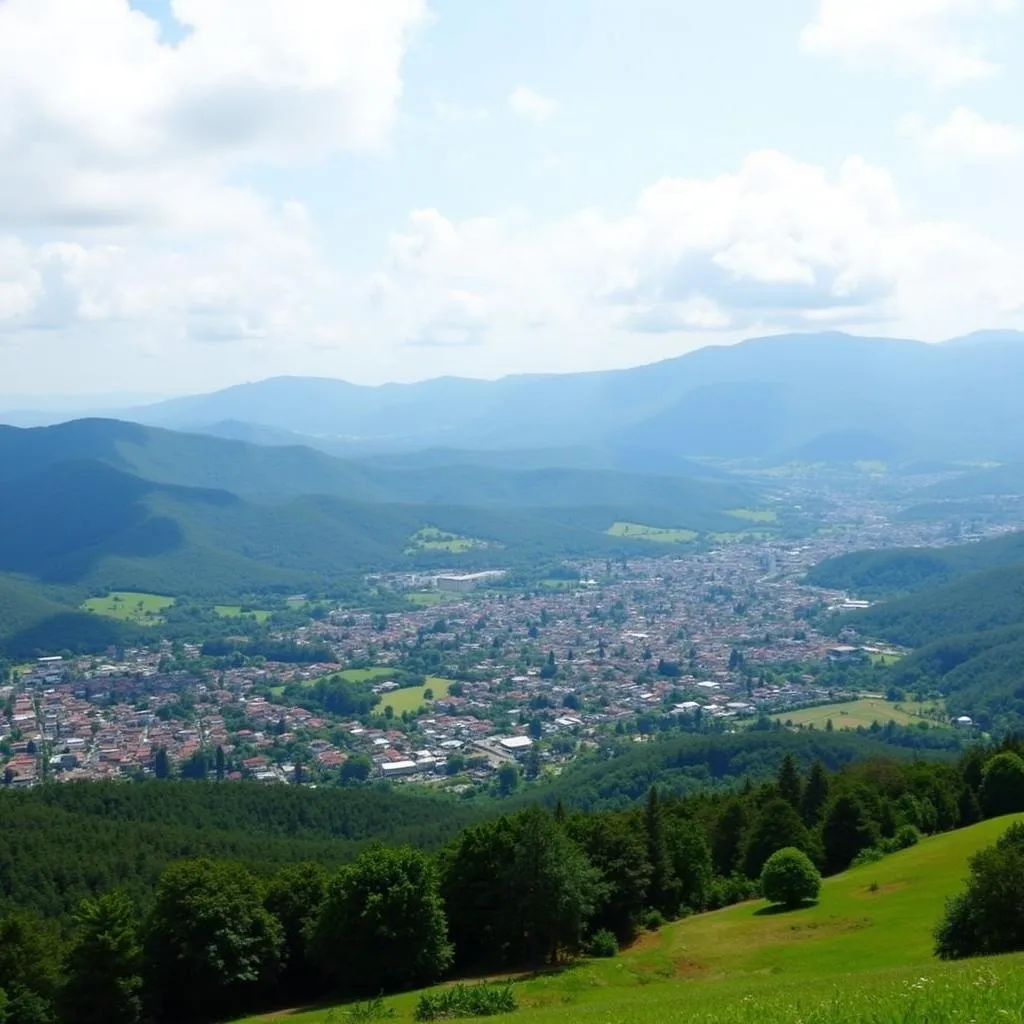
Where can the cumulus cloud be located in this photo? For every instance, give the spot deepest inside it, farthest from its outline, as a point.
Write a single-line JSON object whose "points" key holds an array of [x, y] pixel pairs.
{"points": [[966, 135], [924, 36], [777, 244], [530, 104]]}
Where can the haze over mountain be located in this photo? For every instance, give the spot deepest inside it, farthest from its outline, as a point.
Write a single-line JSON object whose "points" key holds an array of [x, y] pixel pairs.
{"points": [[831, 397]]}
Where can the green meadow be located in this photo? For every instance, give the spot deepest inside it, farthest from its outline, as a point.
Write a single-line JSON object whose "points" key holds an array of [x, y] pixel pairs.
{"points": [[660, 534], [862, 954], [430, 538], [851, 714], [235, 611], [754, 515], [411, 698], [129, 606]]}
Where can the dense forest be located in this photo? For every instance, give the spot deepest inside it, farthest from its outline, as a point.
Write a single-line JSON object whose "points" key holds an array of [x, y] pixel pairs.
{"points": [[894, 571], [276, 922]]}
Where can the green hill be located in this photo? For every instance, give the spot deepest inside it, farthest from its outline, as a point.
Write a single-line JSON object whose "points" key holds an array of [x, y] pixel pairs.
{"points": [[892, 571], [284, 472], [862, 953]]}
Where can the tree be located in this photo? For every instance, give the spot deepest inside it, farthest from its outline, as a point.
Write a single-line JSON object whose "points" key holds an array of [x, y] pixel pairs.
{"points": [[988, 917], [218, 760], [104, 964], [1002, 784], [776, 826], [845, 831], [161, 763], [815, 795], [788, 782], [29, 968], [382, 927], [508, 779], [212, 948], [661, 891], [690, 857], [294, 897], [356, 769], [727, 838], [788, 877]]}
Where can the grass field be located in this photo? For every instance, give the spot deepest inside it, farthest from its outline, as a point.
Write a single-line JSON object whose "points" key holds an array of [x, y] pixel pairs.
{"points": [[754, 515], [364, 675], [146, 609], [737, 536], [861, 955], [663, 535], [411, 698], [430, 538], [234, 611], [861, 712], [428, 598]]}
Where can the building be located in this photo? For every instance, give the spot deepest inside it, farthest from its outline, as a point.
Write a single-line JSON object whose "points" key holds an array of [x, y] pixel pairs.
{"points": [[466, 582], [516, 745], [390, 769]]}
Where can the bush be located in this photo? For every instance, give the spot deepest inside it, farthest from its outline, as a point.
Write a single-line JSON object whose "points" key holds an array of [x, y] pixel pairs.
{"points": [[604, 943], [789, 877], [736, 888], [988, 918], [906, 837], [653, 920], [466, 1001], [871, 855], [1002, 785]]}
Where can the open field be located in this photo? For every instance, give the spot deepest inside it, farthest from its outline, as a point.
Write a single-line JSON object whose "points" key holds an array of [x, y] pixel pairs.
{"points": [[145, 609], [429, 598], [663, 535], [862, 712], [234, 611], [754, 515], [862, 953], [365, 675], [430, 538], [411, 697], [739, 535]]}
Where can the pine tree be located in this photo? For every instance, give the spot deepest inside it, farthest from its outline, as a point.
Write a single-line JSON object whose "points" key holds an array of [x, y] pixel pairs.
{"points": [[661, 889], [788, 782], [815, 795]]}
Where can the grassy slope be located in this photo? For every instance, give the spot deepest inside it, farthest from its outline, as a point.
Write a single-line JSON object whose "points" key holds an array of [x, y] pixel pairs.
{"points": [[853, 713], [857, 955]]}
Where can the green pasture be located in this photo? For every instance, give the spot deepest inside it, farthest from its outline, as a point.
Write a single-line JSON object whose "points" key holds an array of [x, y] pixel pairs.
{"points": [[235, 611], [365, 675], [754, 515], [430, 538], [861, 955], [411, 698], [851, 714], [660, 534], [129, 606]]}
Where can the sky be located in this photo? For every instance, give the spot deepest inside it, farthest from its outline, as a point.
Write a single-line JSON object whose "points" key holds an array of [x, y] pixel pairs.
{"points": [[196, 193]]}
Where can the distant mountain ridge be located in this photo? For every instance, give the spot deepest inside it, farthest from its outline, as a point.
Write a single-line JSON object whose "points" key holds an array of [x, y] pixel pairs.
{"points": [[765, 398]]}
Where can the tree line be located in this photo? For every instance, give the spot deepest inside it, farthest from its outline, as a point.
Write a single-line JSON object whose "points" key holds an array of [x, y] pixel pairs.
{"points": [[218, 938]]}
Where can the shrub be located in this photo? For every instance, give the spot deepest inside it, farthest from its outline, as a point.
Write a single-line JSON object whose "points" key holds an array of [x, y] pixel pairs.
{"points": [[871, 855], [789, 877], [604, 943], [466, 1001], [988, 918], [653, 920], [906, 837]]}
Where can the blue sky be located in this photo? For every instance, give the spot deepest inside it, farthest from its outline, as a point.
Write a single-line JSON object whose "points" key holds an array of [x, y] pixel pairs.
{"points": [[199, 192]]}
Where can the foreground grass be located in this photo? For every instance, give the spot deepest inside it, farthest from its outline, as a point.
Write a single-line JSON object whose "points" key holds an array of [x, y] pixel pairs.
{"points": [[851, 714], [862, 953], [129, 606]]}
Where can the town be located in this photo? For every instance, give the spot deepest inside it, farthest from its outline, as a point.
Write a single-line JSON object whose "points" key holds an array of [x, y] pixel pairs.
{"points": [[478, 674]]}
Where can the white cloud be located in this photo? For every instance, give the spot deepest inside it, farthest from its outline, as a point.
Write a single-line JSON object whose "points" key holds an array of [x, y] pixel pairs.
{"points": [[103, 123], [777, 244], [528, 103], [924, 36], [965, 135]]}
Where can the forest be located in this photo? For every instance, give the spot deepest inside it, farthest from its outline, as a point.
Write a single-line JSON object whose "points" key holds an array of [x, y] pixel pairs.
{"points": [[296, 904]]}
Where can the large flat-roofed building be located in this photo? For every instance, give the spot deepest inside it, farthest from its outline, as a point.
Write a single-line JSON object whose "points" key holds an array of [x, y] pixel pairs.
{"points": [[465, 582]]}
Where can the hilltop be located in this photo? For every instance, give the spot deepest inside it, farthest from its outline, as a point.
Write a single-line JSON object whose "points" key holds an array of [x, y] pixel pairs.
{"points": [[852, 956]]}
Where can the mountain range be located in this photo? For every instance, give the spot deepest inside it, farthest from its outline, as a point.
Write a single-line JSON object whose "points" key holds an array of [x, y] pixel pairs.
{"points": [[826, 397]]}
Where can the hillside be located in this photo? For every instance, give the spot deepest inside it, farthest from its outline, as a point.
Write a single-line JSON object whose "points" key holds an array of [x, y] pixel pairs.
{"points": [[767, 397], [1001, 481], [863, 952], [280, 472], [979, 602], [893, 571]]}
